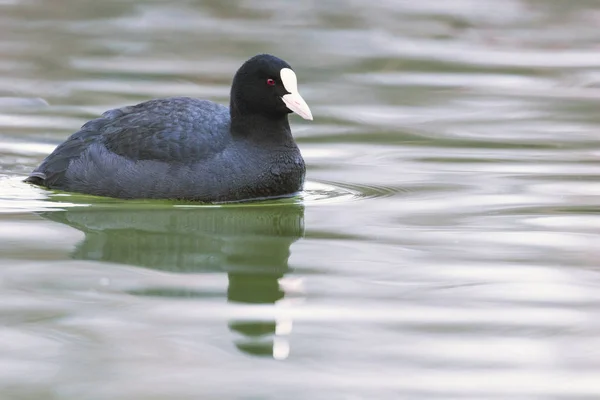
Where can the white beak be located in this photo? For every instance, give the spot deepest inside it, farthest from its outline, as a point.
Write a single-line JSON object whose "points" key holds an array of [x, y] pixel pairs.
{"points": [[293, 100], [296, 103]]}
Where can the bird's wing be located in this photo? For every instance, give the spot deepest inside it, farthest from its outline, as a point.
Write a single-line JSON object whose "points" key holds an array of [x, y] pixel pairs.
{"points": [[174, 130]]}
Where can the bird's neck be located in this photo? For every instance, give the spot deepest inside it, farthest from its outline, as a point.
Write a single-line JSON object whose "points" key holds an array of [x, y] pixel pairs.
{"points": [[262, 128]]}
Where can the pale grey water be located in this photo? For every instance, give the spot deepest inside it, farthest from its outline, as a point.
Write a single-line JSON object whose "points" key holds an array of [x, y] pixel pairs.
{"points": [[446, 246]]}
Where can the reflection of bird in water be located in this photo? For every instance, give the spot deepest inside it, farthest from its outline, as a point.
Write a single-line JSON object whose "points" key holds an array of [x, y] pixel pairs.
{"points": [[250, 243]]}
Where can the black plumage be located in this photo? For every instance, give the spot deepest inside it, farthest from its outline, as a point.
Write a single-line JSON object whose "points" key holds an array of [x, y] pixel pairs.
{"points": [[185, 148]]}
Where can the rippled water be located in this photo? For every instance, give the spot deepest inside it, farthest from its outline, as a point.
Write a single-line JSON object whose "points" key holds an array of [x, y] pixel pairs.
{"points": [[446, 245]]}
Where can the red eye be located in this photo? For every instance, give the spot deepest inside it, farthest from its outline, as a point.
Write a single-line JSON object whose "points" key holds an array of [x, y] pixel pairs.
{"points": [[270, 82]]}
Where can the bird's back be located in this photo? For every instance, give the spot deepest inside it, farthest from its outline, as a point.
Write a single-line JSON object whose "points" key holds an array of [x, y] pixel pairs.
{"points": [[130, 152]]}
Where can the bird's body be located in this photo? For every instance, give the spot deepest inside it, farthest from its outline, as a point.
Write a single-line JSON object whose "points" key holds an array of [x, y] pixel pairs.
{"points": [[185, 148]]}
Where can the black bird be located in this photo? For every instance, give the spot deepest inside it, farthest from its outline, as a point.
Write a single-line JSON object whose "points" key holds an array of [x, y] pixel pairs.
{"points": [[190, 149]]}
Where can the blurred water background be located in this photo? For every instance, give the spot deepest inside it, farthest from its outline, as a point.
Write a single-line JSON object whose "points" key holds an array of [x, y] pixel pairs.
{"points": [[446, 245]]}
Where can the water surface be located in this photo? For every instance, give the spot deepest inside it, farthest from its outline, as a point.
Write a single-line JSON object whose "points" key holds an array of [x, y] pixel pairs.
{"points": [[445, 246]]}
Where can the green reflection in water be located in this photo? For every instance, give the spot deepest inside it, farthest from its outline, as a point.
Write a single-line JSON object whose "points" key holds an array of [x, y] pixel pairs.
{"points": [[251, 243]]}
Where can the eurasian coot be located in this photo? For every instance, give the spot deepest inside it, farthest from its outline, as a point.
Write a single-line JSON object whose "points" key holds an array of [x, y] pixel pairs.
{"points": [[190, 149]]}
